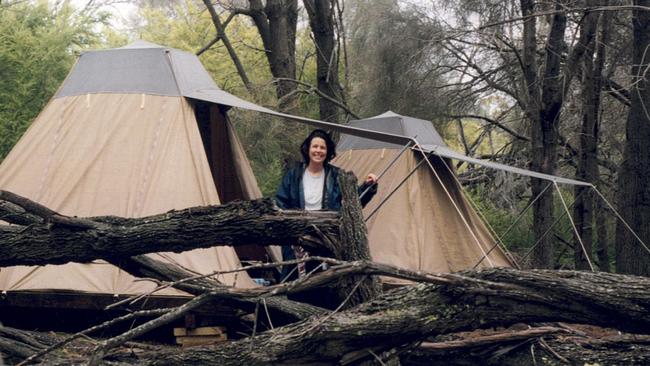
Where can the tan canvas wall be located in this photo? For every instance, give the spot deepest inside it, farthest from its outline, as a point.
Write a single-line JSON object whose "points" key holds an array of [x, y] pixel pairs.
{"points": [[418, 227], [129, 155]]}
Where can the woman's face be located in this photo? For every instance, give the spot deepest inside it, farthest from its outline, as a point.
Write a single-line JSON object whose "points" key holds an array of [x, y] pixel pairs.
{"points": [[317, 151]]}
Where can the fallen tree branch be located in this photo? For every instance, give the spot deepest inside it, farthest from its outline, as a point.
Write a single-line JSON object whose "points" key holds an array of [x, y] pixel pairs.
{"points": [[104, 325], [411, 313], [568, 349], [61, 239], [471, 300], [100, 351], [143, 266], [477, 341]]}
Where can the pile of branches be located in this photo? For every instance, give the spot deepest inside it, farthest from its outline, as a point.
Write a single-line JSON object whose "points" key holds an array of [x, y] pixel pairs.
{"points": [[496, 316]]}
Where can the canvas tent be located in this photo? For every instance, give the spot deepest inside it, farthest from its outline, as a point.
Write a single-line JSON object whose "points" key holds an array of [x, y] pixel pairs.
{"points": [[123, 137], [145, 126], [418, 227]]}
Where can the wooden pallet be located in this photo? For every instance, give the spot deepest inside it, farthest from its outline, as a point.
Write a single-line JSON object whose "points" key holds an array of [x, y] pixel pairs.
{"points": [[190, 337]]}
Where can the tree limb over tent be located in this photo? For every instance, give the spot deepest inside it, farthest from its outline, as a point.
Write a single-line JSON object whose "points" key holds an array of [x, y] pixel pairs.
{"points": [[436, 304], [52, 238], [404, 316], [412, 313]]}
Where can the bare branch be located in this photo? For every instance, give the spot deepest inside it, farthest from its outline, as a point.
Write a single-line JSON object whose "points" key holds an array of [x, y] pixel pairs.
{"points": [[490, 121], [231, 51], [309, 89]]}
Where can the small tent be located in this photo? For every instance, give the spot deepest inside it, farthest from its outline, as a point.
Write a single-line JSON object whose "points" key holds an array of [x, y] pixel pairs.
{"points": [[425, 223], [132, 131]]}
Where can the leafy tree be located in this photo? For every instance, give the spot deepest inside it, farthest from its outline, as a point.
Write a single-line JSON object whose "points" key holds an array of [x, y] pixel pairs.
{"points": [[392, 61], [38, 45]]}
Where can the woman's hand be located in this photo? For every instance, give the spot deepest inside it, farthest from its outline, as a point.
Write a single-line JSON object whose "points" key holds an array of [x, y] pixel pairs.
{"points": [[371, 179]]}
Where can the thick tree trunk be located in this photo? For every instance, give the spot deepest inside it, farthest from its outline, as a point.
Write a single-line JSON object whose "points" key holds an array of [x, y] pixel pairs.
{"points": [[634, 190], [60, 239], [276, 23], [544, 98], [602, 244], [321, 20], [544, 136], [474, 300], [588, 152], [356, 289]]}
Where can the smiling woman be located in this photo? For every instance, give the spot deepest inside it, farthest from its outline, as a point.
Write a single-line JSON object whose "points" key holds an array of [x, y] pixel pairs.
{"points": [[313, 185]]}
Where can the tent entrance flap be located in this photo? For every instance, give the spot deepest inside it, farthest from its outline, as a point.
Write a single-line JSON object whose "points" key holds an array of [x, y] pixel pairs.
{"points": [[218, 149], [223, 156]]}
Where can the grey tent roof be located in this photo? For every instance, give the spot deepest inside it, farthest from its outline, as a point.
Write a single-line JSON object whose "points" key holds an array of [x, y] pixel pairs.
{"points": [[143, 67], [393, 123], [429, 140], [451, 154], [148, 68]]}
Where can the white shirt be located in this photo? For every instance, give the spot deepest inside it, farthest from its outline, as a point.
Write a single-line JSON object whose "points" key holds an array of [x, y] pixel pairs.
{"points": [[312, 187]]}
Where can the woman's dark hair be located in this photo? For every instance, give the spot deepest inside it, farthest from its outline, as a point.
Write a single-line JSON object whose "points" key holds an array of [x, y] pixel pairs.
{"points": [[331, 146]]}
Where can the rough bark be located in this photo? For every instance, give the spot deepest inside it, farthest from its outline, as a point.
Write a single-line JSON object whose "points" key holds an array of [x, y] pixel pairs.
{"points": [[543, 108], [61, 239], [321, 21], [571, 349], [356, 289], [634, 190], [602, 245], [543, 101], [474, 300], [276, 23], [281, 309], [453, 303], [587, 169]]}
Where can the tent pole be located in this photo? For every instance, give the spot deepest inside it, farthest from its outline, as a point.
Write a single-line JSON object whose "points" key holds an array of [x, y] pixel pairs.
{"points": [[575, 229], [394, 190], [408, 144], [521, 215], [487, 223], [547, 231], [621, 218], [460, 213]]}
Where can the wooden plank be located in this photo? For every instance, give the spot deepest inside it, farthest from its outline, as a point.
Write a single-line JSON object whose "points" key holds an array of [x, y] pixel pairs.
{"points": [[201, 331], [192, 341]]}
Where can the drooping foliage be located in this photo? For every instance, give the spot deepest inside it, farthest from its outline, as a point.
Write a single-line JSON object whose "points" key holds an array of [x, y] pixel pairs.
{"points": [[392, 60], [38, 45]]}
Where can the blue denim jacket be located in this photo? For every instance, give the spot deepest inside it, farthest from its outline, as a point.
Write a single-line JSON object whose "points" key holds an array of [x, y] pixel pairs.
{"points": [[290, 194]]}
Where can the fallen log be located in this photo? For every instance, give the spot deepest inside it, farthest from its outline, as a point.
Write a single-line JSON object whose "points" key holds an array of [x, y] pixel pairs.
{"points": [[535, 347], [281, 309], [459, 302], [409, 314], [354, 290], [57, 239], [541, 347], [380, 324]]}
